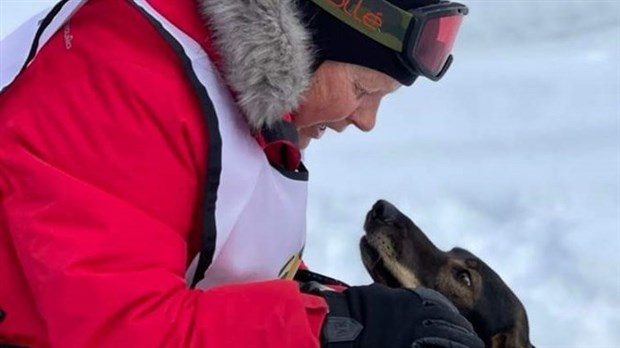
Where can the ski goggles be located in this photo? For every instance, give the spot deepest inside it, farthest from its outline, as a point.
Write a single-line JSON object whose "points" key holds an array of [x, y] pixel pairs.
{"points": [[422, 37]]}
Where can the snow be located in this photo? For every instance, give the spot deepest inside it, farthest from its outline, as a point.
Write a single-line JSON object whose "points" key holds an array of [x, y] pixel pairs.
{"points": [[514, 155]]}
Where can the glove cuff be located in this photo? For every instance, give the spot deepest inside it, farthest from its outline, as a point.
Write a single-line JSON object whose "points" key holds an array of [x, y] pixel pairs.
{"points": [[340, 329]]}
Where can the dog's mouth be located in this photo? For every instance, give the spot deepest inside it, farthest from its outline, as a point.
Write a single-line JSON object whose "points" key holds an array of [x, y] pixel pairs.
{"points": [[375, 265]]}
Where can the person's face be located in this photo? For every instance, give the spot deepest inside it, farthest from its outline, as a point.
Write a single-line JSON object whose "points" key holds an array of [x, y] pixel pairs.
{"points": [[341, 94]]}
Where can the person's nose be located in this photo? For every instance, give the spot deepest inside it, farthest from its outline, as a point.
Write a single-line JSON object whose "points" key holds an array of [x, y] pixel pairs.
{"points": [[365, 119]]}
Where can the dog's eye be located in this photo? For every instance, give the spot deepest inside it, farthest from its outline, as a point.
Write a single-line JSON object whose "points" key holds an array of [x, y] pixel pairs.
{"points": [[464, 277]]}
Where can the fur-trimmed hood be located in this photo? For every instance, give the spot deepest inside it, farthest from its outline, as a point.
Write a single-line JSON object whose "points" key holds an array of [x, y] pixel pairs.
{"points": [[266, 54]]}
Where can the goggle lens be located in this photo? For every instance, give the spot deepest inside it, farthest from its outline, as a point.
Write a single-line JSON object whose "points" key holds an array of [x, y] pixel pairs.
{"points": [[435, 42]]}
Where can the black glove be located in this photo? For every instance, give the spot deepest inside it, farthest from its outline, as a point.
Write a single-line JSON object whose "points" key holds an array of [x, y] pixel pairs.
{"points": [[376, 316]]}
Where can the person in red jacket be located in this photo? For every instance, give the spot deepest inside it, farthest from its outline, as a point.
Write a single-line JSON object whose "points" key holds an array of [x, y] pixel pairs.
{"points": [[152, 192]]}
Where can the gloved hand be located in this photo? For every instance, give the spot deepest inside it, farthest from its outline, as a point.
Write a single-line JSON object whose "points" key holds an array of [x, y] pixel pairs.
{"points": [[376, 316]]}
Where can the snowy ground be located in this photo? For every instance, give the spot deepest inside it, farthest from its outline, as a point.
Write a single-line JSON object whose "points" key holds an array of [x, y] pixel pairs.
{"points": [[515, 155]]}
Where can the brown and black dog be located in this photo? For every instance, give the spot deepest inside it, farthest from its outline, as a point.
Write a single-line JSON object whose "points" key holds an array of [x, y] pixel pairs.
{"points": [[398, 254]]}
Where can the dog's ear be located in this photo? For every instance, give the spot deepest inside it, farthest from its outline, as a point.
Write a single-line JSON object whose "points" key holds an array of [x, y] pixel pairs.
{"points": [[512, 339]]}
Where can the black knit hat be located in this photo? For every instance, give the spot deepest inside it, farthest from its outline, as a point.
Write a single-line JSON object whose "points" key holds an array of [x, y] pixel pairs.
{"points": [[337, 41]]}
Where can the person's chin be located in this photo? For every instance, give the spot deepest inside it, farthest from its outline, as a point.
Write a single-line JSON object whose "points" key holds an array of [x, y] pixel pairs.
{"points": [[304, 141], [306, 134]]}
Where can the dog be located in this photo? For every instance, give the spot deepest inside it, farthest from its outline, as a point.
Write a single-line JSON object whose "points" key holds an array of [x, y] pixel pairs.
{"points": [[397, 253]]}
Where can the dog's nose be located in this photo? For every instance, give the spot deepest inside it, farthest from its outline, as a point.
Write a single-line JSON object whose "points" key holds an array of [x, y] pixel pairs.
{"points": [[384, 211]]}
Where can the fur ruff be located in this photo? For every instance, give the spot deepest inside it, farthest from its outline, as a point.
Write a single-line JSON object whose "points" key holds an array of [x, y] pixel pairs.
{"points": [[266, 54]]}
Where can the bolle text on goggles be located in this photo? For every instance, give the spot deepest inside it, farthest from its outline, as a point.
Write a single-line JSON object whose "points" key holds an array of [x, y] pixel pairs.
{"points": [[423, 37]]}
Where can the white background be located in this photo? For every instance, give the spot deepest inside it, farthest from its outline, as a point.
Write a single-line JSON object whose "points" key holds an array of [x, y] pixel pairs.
{"points": [[514, 155]]}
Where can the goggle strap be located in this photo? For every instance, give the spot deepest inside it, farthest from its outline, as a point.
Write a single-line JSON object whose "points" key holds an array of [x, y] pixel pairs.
{"points": [[378, 19]]}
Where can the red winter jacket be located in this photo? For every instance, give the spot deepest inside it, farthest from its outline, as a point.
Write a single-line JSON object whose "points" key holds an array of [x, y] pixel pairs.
{"points": [[102, 160]]}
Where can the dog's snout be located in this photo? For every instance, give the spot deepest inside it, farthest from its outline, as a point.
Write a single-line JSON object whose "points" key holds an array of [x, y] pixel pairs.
{"points": [[381, 213], [384, 211]]}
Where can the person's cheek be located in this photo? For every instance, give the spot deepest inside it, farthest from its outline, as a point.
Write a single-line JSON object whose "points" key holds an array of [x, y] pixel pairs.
{"points": [[343, 109]]}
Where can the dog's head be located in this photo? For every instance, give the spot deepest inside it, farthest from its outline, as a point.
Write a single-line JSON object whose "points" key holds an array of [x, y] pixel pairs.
{"points": [[398, 254]]}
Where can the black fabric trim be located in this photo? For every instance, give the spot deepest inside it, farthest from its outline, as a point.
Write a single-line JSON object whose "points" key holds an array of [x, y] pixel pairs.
{"points": [[300, 175], [44, 24], [281, 131], [305, 276], [214, 153]]}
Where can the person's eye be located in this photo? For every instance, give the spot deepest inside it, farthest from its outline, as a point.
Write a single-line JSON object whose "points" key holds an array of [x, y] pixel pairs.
{"points": [[464, 277], [359, 90]]}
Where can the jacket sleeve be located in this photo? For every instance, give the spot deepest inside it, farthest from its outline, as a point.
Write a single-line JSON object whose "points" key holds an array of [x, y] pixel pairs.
{"points": [[101, 177]]}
